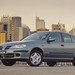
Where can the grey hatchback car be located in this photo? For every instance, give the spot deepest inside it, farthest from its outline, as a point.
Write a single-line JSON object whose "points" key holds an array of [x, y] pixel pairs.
{"points": [[50, 47]]}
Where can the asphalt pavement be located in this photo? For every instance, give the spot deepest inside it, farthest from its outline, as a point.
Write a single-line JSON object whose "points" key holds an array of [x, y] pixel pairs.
{"points": [[24, 69]]}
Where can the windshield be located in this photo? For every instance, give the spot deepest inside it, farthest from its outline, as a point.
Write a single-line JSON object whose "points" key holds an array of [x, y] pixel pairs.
{"points": [[37, 36]]}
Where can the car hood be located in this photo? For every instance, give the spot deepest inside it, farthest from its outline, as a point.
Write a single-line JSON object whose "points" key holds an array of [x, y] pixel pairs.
{"points": [[17, 42]]}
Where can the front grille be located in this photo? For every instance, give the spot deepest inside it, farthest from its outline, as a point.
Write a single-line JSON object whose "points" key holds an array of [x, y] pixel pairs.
{"points": [[10, 55], [7, 47], [1, 47]]}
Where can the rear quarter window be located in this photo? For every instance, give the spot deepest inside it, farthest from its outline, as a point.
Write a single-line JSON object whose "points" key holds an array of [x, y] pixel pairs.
{"points": [[66, 37], [73, 38]]}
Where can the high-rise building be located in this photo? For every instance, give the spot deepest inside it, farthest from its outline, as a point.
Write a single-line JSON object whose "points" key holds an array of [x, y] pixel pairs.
{"points": [[58, 27], [1, 27], [6, 25], [43, 30], [72, 31], [13, 28], [15, 34], [3, 32], [16, 21], [40, 24], [20, 32], [23, 31]]}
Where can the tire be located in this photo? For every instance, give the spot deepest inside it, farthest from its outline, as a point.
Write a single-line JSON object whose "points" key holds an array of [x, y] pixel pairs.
{"points": [[35, 58], [73, 62], [51, 64], [8, 62]]}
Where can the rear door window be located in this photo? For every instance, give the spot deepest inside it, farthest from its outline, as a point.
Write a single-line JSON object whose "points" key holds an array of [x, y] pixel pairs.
{"points": [[73, 38]]}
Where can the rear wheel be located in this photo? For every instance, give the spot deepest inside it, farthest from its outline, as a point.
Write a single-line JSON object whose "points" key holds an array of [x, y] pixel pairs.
{"points": [[50, 63], [35, 58], [8, 62]]}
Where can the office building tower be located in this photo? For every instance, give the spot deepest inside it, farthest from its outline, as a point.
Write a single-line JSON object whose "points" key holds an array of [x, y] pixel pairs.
{"points": [[40, 24], [6, 20], [58, 27]]}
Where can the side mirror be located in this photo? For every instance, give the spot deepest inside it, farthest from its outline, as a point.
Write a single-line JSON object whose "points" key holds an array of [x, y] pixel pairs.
{"points": [[50, 39]]}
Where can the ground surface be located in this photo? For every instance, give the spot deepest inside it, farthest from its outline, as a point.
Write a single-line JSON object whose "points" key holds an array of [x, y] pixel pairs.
{"points": [[23, 69]]}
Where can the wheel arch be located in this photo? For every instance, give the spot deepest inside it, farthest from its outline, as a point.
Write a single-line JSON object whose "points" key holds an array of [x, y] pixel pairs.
{"points": [[37, 48]]}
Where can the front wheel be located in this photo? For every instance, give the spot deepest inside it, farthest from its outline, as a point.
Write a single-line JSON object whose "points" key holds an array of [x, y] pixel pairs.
{"points": [[73, 62], [8, 62], [51, 64], [35, 58]]}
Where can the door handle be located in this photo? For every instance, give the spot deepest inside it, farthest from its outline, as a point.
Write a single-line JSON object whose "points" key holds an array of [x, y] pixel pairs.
{"points": [[62, 45]]}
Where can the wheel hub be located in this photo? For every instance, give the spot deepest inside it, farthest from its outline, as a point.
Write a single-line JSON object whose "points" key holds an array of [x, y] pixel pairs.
{"points": [[35, 58]]}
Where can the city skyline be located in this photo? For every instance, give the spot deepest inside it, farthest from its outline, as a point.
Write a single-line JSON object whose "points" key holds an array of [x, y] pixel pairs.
{"points": [[51, 11]]}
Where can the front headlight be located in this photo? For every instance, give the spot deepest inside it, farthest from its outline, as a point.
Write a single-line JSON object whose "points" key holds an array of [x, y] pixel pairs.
{"points": [[19, 46]]}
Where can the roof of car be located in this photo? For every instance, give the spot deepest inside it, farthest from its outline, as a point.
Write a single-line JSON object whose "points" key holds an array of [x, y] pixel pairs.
{"points": [[55, 31]]}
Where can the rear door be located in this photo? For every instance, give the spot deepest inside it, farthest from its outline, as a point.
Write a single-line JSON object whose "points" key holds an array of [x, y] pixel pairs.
{"points": [[69, 46], [62, 48]]}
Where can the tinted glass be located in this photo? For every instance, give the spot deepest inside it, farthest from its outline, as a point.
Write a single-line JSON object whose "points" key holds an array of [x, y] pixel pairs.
{"points": [[56, 37], [66, 37], [73, 38]]}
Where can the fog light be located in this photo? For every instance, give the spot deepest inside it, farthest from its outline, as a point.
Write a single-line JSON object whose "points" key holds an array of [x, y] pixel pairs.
{"points": [[17, 55]]}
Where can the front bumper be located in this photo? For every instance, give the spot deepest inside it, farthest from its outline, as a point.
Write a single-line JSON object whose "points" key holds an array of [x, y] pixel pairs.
{"points": [[14, 55]]}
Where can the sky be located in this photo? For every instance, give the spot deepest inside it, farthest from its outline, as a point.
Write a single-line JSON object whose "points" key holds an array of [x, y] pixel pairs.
{"points": [[51, 11]]}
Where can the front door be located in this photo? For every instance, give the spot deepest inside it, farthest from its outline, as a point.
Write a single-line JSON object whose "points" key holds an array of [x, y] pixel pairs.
{"points": [[53, 49]]}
